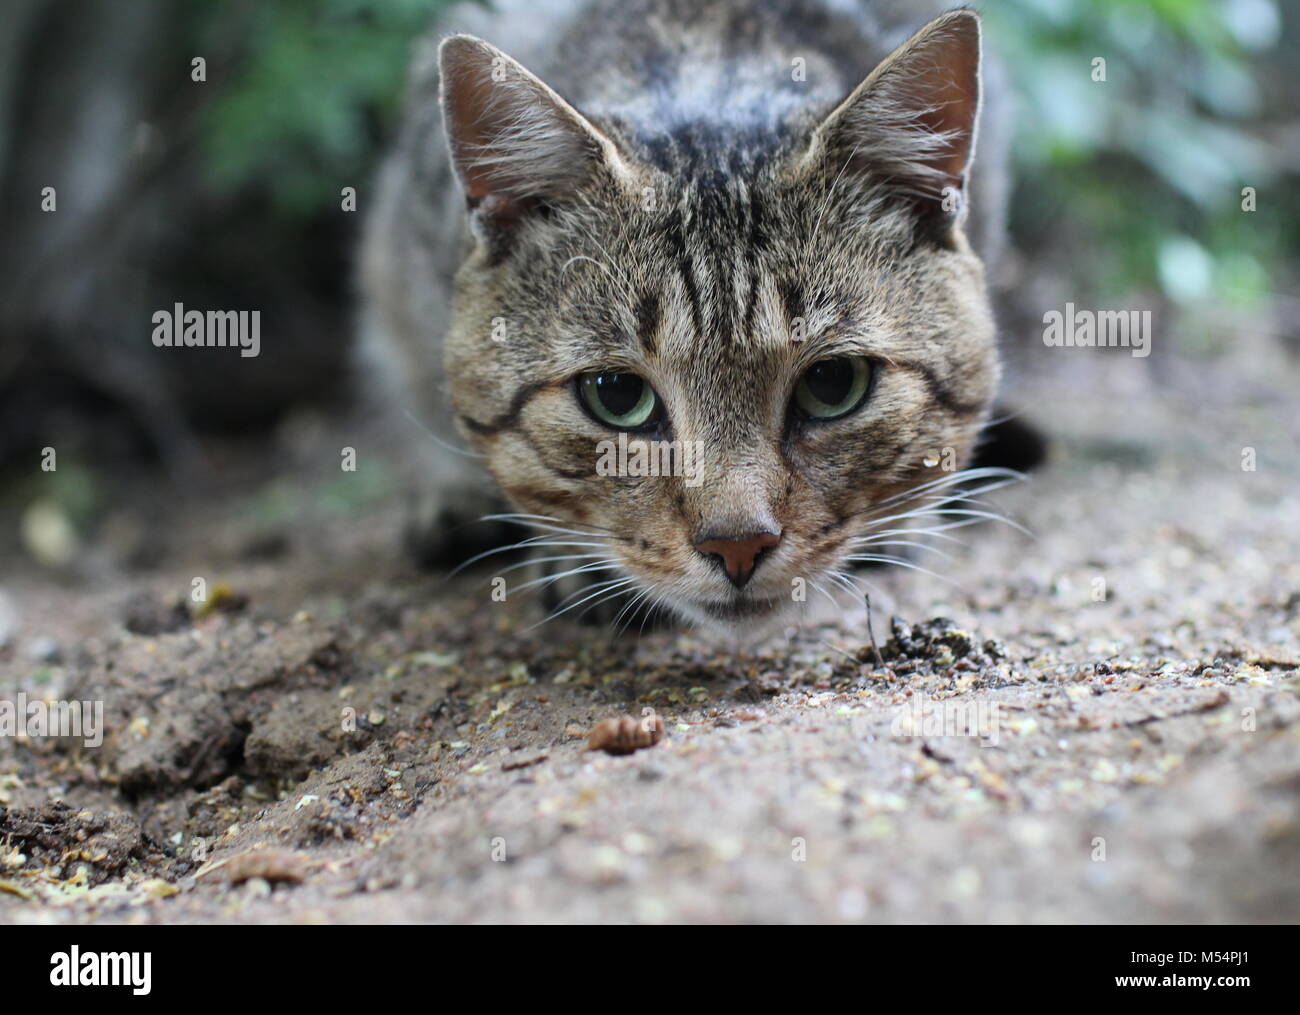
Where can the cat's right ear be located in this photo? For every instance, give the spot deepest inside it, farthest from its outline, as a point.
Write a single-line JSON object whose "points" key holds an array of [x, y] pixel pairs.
{"points": [[515, 143]]}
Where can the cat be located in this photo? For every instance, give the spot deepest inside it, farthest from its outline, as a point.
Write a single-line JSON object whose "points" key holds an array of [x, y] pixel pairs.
{"points": [[747, 227]]}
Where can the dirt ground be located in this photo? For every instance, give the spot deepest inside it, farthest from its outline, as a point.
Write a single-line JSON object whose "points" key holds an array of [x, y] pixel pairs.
{"points": [[337, 737]]}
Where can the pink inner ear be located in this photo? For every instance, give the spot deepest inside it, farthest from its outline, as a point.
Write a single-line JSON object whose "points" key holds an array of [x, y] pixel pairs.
{"points": [[948, 93], [513, 141], [468, 102], [500, 208], [913, 120]]}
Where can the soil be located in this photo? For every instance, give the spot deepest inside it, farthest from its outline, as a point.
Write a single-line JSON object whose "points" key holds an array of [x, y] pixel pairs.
{"points": [[333, 736]]}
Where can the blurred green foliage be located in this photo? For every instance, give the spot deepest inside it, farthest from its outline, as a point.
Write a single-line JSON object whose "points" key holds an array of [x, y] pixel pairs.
{"points": [[309, 86], [343, 494], [1152, 161], [1149, 164]]}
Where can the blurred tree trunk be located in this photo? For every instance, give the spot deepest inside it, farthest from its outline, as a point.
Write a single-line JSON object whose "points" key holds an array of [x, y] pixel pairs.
{"points": [[97, 101]]}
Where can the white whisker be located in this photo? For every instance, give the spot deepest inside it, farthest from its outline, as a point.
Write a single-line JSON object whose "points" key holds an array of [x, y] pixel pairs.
{"points": [[612, 593], [603, 589], [551, 579], [870, 541], [532, 542], [548, 560], [898, 561]]}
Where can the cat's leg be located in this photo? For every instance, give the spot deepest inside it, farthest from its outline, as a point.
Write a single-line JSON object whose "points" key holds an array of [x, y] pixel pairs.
{"points": [[1010, 442], [449, 495], [449, 525]]}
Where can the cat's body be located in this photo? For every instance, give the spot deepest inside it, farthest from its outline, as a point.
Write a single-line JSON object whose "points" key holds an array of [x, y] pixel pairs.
{"points": [[709, 209]]}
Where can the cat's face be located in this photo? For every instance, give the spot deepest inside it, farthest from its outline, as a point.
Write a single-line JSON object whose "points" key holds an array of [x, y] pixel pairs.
{"points": [[789, 347]]}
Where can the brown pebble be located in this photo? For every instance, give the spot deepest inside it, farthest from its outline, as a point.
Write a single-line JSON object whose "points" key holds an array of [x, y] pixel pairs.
{"points": [[625, 735], [510, 766], [267, 864]]}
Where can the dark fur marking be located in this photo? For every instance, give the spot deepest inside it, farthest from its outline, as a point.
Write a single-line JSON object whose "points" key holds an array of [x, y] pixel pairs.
{"points": [[831, 526], [692, 294], [647, 321], [675, 238], [510, 418], [758, 241], [938, 390], [793, 299]]}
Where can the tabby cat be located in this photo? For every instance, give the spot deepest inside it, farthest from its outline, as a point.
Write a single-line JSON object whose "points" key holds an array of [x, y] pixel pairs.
{"points": [[645, 227]]}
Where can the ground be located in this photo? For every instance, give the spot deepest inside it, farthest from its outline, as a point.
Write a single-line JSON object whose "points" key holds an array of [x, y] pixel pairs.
{"points": [[336, 737]]}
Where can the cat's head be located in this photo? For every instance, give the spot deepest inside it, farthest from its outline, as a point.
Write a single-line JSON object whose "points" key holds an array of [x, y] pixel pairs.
{"points": [[792, 326]]}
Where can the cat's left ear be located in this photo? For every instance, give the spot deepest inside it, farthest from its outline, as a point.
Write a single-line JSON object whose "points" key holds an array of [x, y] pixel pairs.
{"points": [[911, 124]]}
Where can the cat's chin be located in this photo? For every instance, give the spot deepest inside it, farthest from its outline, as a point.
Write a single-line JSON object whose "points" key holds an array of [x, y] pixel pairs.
{"points": [[736, 620]]}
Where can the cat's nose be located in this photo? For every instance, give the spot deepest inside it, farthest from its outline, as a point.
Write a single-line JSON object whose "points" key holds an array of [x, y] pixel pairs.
{"points": [[739, 554]]}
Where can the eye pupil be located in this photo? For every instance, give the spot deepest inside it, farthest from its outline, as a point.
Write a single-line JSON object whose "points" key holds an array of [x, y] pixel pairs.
{"points": [[833, 387], [619, 393], [830, 380], [623, 401]]}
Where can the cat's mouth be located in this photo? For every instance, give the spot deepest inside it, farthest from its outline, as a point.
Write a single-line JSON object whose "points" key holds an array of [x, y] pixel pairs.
{"points": [[740, 609]]}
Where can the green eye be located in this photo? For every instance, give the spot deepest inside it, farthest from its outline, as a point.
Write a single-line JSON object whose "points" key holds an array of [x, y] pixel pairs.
{"points": [[622, 401], [834, 387]]}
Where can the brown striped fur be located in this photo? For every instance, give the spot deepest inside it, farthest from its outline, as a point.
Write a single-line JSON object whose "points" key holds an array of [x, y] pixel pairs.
{"points": [[658, 193]]}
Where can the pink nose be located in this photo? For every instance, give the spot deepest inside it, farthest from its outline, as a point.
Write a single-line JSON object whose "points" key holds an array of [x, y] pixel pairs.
{"points": [[740, 554]]}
